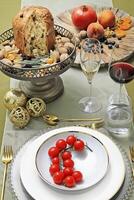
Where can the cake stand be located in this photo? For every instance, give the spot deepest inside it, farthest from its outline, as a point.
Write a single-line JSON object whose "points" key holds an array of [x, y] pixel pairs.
{"points": [[42, 82]]}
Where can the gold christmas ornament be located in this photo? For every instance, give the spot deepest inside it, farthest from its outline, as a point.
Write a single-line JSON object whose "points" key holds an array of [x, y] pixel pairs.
{"points": [[14, 98], [19, 117], [36, 107]]}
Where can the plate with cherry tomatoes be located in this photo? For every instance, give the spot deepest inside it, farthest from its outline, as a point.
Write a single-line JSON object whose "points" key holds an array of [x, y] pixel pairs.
{"points": [[72, 161]]}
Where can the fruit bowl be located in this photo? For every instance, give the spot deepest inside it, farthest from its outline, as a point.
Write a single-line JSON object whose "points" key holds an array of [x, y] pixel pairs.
{"points": [[123, 43], [40, 81]]}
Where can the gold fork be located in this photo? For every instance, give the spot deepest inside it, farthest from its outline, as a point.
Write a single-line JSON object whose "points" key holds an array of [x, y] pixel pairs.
{"points": [[7, 157], [94, 125], [131, 149]]}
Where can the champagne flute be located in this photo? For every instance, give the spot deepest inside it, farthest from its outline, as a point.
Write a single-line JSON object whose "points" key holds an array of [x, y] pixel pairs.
{"points": [[90, 58]]}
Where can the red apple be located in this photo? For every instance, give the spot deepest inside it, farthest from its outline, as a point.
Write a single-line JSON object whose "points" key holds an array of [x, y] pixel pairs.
{"points": [[106, 18], [82, 16], [95, 30]]}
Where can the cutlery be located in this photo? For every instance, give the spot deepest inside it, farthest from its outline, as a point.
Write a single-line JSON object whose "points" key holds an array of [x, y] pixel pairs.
{"points": [[131, 150], [53, 119], [94, 125], [7, 157]]}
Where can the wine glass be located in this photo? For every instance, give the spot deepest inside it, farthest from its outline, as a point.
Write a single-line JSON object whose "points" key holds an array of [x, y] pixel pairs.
{"points": [[90, 59], [119, 110], [121, 72]]}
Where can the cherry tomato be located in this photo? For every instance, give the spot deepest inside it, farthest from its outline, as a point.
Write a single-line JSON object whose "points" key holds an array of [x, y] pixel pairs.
{"points": [[53, 152], [82, 16], [61, 144], [68, 171], [66, 155], [56, 160], [69, 181], [79, 145], [68, 163], [58, 177], [71, 139], [54, 168], [77, 176]]}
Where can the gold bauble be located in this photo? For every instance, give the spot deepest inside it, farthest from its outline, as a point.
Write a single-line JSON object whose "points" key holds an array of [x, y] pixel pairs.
{"points": [[36, 107], [20, 117], [14, 98]]}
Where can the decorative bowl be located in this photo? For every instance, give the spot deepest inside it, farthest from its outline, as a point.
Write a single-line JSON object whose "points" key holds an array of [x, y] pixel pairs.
{"points": [[38, 81]]}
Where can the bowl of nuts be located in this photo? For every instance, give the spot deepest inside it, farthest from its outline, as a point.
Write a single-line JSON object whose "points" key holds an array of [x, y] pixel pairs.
{"points": [[36, 51], [39, 74]]}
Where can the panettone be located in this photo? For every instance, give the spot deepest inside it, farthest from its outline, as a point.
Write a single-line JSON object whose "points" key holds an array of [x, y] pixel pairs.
{"points": [[33, 29]]}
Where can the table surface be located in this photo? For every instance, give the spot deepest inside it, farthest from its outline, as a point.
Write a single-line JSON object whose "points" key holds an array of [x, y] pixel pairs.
{"points": [[5, 23], [65, 106], [61, 105]]}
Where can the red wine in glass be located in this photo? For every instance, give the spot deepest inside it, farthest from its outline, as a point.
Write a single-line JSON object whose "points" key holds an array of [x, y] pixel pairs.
{"points": [[119, 112], [121, 72]]}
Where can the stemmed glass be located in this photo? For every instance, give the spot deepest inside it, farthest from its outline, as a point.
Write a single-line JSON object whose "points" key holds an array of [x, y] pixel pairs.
{"points": [[121, 72], [119, 111], [90, 59]]}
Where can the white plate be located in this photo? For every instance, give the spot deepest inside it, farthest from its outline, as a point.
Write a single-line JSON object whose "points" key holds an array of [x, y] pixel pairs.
{"points": [[86, 161], [104, 190]]}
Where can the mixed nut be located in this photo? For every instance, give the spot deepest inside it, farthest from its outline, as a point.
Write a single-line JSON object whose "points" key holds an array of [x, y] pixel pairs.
{"points": [[11, 55], [110, 42]]}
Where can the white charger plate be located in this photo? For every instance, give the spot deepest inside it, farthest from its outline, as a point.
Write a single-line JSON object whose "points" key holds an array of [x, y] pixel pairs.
{"points": [[87, 161], [104, 190]]}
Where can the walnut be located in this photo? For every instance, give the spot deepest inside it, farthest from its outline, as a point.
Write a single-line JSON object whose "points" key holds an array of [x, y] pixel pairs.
{"points": [[65, 39], [63, 56], [69, 44], [62, 50]]}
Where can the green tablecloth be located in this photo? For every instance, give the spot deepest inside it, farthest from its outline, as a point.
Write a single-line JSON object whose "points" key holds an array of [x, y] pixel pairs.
{"points": [[8, 9]]}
